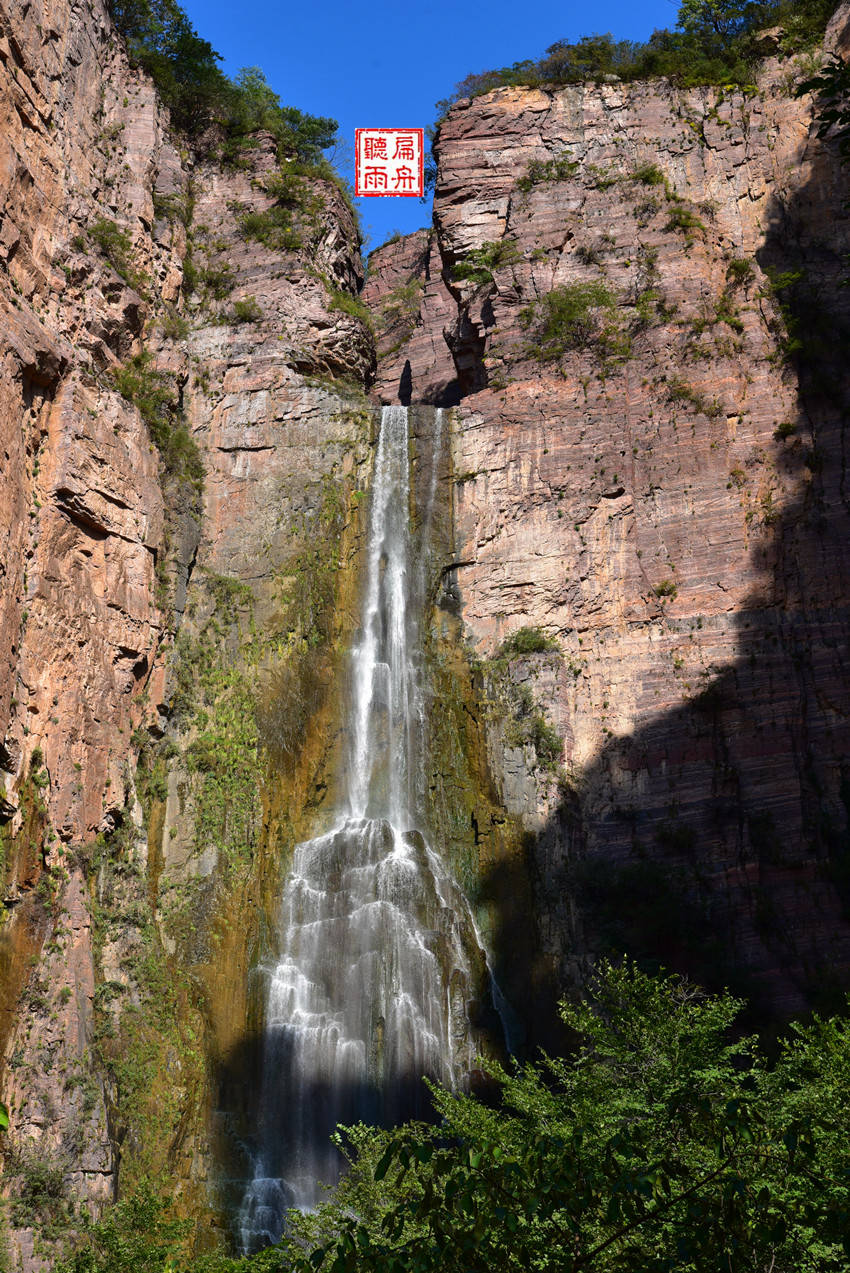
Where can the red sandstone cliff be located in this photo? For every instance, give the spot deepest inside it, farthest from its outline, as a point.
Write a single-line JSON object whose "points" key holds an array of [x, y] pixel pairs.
{"points": [[666, 502], [413, 307], [131, 582]]}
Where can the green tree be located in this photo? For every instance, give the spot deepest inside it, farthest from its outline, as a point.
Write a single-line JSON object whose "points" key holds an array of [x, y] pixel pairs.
{"points": [[712, 24], [161, 39], [590, 56], [255, 105], [662, 1144], [714, 42], [137, 1235]]}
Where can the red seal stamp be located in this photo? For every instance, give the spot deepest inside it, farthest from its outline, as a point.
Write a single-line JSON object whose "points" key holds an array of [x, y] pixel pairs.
{"points": [[389, 161]]}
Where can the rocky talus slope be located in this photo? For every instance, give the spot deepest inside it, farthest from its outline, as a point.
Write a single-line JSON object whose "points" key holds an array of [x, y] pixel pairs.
{"points": [[162, 571], [664, 502]]}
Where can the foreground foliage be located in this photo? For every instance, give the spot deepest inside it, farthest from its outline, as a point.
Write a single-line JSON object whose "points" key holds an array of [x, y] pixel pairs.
{"points": [[660, 1145], [663, 1143]]}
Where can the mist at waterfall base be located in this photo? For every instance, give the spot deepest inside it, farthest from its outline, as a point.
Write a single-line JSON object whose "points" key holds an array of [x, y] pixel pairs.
{"points": [[380, 959]]}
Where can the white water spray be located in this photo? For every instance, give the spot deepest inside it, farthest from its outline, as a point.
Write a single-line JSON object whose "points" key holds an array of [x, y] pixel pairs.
{"points": [[380, 955]]}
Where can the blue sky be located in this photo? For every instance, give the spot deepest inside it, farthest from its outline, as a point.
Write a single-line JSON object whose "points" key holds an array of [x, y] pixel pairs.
{"points": [[385, 65]]}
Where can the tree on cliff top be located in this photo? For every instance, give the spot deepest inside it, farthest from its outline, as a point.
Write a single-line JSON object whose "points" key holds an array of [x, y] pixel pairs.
{"points": [[161, 39], [712, 21], [254, 105], [714, 42]]}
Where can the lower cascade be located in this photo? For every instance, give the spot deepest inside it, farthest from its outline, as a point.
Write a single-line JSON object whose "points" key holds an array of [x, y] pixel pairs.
{"points": [[380, 959]]}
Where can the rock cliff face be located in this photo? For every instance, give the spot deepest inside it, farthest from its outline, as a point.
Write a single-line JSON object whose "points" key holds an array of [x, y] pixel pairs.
{"points": [[648, 471], [630, 307], [82, 521], [412, 306], [155, 587]]}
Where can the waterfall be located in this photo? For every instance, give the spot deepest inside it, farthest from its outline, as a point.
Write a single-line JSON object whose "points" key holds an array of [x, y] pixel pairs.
{"points": [[380, 956]]}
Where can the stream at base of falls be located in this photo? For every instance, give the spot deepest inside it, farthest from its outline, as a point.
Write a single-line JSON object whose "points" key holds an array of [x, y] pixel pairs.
{"points": [[380, 960]]}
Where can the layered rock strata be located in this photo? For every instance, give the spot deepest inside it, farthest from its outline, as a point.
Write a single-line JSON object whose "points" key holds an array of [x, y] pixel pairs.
{"points": [[660, 497], [156, 588]]}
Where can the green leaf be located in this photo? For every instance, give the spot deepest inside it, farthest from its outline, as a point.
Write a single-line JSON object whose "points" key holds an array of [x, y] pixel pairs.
{"points": [[386, 1158]]}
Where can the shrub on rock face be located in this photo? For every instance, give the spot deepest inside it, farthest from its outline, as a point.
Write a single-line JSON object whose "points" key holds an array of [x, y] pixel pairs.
{"points": [[527, 641], [273, 228], [117, 246], [293, 219], [478, 266], [155, 396], [573, 318], [344, 303], [247, 310], [649, 175], [685, 219], [558, 168]]}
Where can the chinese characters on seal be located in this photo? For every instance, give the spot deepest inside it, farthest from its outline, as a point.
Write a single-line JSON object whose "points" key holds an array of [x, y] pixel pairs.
{"points": [[389, 161]]}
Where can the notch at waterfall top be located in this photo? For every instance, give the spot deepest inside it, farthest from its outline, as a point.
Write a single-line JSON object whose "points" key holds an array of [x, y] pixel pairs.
{"points": [[389, 162]]}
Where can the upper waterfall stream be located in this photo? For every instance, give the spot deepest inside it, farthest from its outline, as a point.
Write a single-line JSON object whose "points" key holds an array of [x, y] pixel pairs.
{"points": [[380, 958]]}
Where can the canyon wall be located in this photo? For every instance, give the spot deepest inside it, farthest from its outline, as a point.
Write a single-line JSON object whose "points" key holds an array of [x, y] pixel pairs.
{"points": [[641, 291], [184, 441], [630, 307]]}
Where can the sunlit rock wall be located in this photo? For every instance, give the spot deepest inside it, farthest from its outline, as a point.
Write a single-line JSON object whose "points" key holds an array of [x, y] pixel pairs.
{"points": [[148, 616], [665, 505]]}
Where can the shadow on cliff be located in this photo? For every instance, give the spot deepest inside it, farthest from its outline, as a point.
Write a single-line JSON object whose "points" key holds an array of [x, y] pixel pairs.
{"points": [[716, 840], [445, 393]]}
